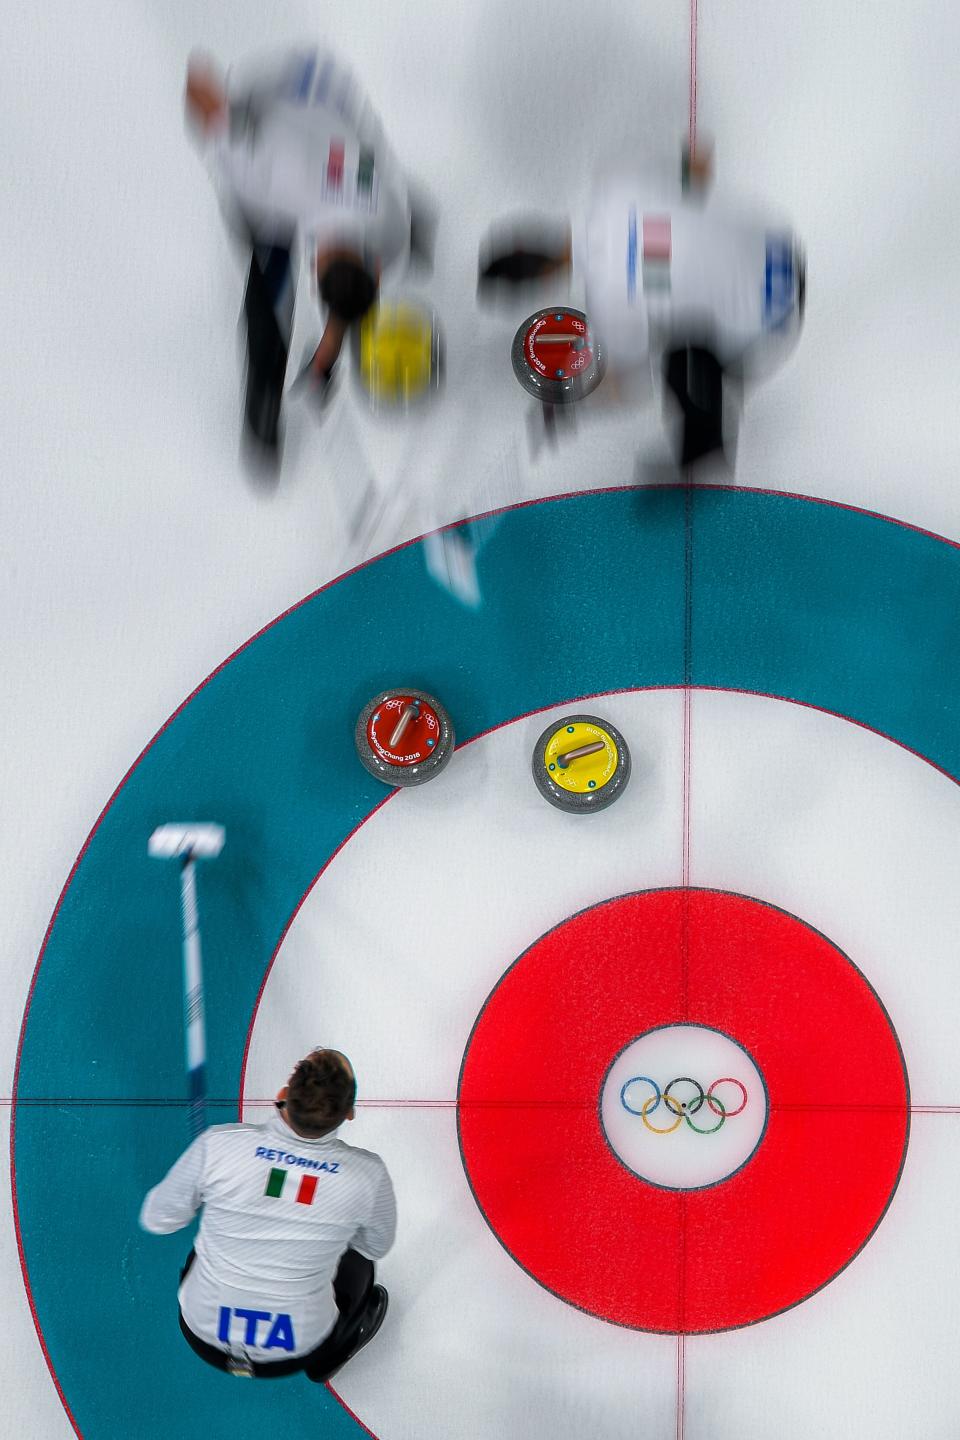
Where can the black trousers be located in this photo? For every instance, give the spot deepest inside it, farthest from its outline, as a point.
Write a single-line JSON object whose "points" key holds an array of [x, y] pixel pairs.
{"points": [[268, 311], [352, 1286], [695, 377]]}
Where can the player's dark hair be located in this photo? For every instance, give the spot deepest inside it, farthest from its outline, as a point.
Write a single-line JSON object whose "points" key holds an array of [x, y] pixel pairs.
{"points": [[347, 290], [320, 1093]]}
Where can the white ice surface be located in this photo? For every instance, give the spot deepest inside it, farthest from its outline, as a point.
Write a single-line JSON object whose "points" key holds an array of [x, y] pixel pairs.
{"points": [[135, 555]]}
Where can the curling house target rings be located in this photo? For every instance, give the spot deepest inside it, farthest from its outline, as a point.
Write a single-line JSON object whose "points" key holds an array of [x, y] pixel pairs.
{"points": [[248, 744]]}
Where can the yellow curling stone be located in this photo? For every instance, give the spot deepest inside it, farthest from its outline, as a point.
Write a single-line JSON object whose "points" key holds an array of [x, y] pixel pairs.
{"points": [[590, 771], [398, 352], [581, 783]]}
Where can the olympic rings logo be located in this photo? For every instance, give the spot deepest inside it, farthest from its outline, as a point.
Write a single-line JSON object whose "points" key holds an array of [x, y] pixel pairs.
{"points": [[683, 1109]]}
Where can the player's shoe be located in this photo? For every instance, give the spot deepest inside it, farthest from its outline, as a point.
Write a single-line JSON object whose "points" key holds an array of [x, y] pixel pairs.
{"points": [[370, 1321], [373, 1316]]}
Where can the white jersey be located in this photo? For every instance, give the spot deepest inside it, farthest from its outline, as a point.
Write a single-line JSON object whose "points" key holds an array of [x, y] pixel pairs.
{"points": [[663, 269], [278, 1213], [304, 153]]}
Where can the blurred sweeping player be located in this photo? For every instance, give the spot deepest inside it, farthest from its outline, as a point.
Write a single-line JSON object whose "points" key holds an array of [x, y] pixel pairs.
{"points": [[711, 295], [281, 1278], [299, 159]]}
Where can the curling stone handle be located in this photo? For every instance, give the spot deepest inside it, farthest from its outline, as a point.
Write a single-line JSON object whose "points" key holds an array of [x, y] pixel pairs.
{"points": [[411, 712], [564, 760]]}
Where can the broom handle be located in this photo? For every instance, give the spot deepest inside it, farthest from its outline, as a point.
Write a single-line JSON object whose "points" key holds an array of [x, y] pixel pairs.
{"points": [[196, 1040]]}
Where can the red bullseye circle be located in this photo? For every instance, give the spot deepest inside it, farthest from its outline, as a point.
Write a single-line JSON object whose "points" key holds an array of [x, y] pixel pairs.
{"points": [[418, 739], [598, 1236]]}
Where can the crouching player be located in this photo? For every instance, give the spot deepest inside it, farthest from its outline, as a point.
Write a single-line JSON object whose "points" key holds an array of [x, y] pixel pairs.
{"points": [[281, 1277]]}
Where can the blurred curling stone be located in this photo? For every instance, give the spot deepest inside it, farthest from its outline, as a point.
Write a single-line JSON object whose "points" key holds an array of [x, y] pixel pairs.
{"points": [[404, 737], [581, 764], [556, 358], [399, 355]]}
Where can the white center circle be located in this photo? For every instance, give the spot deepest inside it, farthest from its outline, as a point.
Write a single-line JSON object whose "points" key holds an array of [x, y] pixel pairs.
{"points": [[683, 1107]]}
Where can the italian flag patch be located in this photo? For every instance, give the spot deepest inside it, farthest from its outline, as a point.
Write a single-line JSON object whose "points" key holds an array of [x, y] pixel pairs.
{"points": [[277, 1182]]}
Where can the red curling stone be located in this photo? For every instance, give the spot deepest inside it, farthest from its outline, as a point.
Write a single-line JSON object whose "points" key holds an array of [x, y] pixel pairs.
{"points": [[556, 357], [404, 737], [417, 739]]}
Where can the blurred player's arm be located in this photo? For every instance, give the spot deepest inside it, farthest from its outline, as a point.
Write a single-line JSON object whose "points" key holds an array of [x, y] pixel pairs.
{"points": [[524, 255], [219, 105], [696, 166], [173, 1203], [205, 96]]}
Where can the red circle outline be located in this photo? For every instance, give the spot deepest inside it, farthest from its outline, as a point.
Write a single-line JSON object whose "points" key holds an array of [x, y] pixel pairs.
{"points": [[725, 1256]]}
